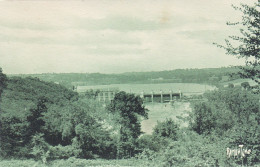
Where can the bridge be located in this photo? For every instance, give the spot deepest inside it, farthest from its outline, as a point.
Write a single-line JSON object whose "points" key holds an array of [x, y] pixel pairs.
{"points": [[158, 97], [161, 96], [106, 95]]}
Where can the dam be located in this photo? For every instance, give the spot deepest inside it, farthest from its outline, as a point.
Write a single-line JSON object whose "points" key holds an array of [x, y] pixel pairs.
{"points": [[158, 97]]}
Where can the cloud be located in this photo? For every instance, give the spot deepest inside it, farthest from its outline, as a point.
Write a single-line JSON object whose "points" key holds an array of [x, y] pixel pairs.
{"points": [[119, 23], [209, 36], [71, 37], [113, 36]]}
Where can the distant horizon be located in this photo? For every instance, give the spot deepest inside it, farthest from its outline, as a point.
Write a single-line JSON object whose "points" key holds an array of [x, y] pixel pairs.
{"points": [[119, 73]]}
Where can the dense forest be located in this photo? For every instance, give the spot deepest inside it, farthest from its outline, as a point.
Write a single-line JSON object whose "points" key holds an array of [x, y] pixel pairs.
{"points": [[207, 75], [45, 121]]}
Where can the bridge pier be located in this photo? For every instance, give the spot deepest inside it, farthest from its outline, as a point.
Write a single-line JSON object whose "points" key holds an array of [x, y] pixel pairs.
{"points": [[99, 98], [142, 94], [180, 93], [152, 96], [161, 96], [109, 96], [104, 96]]}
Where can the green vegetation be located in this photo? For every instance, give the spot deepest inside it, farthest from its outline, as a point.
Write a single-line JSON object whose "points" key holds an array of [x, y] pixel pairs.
{"points": [[247, 45], [3, 80], [46, 121], [233, 114], [46, 124], [229, 118], [128, 107], [178, 112], [74, 162]]}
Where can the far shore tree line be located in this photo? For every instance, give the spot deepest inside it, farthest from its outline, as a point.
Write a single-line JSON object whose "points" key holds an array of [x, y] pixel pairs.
{"points": [[208, 75]]}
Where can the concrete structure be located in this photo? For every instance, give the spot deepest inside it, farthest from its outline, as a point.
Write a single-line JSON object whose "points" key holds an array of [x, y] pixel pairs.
{"points": [[158, 97], [161, 97], [106, 95]]}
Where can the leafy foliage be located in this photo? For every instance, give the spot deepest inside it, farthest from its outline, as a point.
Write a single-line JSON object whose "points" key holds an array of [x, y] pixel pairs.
{"points": [[191, 149], [23, 103], [248, 46], [129, 107], [204, 119], [46, 121], [3, 80], [72, 162], [195, 150], [231, 114], [163, 134], [229, 117], [35, 117], [40, 149], [43, 119], [166, 129]]}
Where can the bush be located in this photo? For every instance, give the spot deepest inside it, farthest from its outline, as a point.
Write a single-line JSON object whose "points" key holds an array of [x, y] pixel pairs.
{"points": [[167, 129], [40, 149], [64, 152], [147, 142], [194, 150], [233, 116], [203, 118]]}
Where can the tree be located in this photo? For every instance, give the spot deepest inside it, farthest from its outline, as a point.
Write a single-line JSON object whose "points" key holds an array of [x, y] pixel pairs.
{"points": [[231, 115], [3, 85], [245, 85], [129, 107], [230, 85], [73, 127], [248, 42], [35, 119], [24, 103], [203, 118], [166, 129], [3, 80]]}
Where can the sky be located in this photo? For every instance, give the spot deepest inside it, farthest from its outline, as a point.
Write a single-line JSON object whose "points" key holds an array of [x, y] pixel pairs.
{"points": [[116, 36]]}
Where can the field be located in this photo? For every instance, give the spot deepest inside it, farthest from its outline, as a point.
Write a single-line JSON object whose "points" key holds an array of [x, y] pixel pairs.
{"points": [[160, 111]]}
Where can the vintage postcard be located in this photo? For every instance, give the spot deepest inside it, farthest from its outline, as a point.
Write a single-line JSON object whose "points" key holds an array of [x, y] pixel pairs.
{"points": [[129, 83]]}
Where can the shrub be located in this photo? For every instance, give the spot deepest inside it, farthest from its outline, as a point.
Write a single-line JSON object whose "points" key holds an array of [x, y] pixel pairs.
{"points": [[147, 142], [40, 149], [194, 150], [64, 152], [231, 116], [167, 129]]}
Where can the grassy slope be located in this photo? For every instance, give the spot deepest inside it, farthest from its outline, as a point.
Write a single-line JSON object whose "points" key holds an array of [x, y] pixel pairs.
{"points": [[22, 94]]}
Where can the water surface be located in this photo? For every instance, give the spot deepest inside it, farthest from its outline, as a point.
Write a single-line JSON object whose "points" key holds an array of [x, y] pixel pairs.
{"points": [[165, 87]]}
